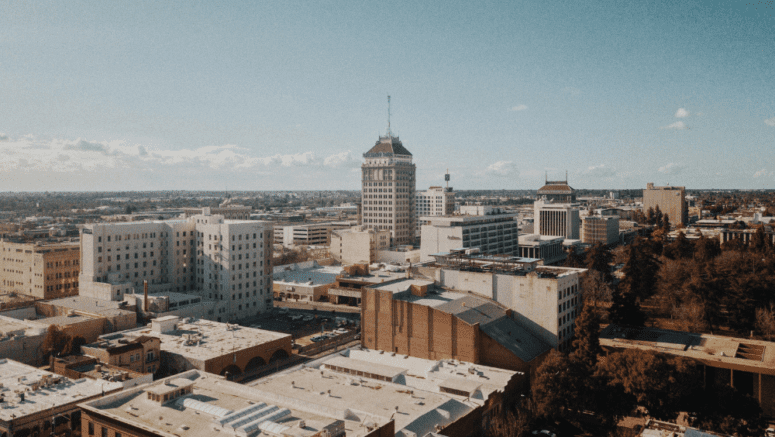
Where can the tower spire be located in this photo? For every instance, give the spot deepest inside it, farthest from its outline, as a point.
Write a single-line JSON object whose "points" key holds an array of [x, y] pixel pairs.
{"points": [[390, 134]]}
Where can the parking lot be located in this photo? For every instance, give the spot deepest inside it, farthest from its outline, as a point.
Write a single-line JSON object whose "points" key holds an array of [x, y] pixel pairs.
{"points": [[304, 325]]}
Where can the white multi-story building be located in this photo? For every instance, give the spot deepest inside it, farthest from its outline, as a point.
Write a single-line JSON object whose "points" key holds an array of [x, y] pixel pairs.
{"points": [[357, 245], [495, 234], [389, 181], [600, 229], [556, 219], [436, 201], [218, 259]]}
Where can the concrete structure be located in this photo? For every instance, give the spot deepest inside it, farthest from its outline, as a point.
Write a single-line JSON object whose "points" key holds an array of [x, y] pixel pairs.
{"points": [[218, 259], [77, 367], [412, 317], [310, 401], [557, 192], [21, 339], [40, 403], [746, 364], [544, 247], [348, 287], [545, 300], [600, 229], [744, 235], [358, 245], [493, 234], [670, 200], [44, 270], [556, 219], [175, 304], [306, 281], [434, 202], [206, 345], [389, 184], [309, 234], [140, 354]]}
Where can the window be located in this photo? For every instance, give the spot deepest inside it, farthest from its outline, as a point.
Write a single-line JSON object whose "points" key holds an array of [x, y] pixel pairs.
{"points": [[91, 428], [104, 432]]}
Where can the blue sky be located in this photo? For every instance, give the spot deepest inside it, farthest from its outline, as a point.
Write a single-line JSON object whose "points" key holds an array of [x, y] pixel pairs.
{"points": [[288, 95]]}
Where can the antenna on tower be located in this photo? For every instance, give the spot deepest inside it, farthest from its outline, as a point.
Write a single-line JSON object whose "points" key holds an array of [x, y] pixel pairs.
{"points": [[390, 134], [446, 178], [566, 176]]}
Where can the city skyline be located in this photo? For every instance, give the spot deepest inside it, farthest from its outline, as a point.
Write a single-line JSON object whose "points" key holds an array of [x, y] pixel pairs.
{"points": [[244, 96]]}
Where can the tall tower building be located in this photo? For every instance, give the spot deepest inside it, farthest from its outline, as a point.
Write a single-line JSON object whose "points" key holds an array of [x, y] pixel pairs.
{"points": [[670, 200], [388, 188]]}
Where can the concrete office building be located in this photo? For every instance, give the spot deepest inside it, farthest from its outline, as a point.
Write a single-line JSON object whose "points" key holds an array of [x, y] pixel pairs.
{"points": [[436, 201], [413, 317], [545, 300], [670, 200], [43, 270], [494, 234], [228, 211], [358, 245], [220, 260], [311, 234], [35, 402], [556, 219], [600, 229], [388, 193]]}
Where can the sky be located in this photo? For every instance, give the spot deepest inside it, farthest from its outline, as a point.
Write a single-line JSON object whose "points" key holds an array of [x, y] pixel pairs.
{"points": [[287, 95]]}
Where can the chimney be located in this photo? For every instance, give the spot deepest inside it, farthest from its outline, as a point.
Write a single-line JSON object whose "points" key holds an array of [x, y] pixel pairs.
{"points": [[145, 296]]}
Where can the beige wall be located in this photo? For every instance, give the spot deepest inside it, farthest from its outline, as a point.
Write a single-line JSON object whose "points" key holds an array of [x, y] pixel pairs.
{"points": [[671, 201], [42, 271]]}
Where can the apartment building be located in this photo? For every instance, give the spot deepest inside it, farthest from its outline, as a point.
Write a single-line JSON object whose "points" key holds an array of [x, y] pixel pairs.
{"points": [[43, 270], [436, 201], [670, 200], [221, 260], [388, 193], [600, 229], [556, 219], [496, 233]]}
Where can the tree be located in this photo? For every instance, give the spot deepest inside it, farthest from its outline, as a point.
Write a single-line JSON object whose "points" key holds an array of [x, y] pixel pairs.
{"points": [[586, 344], [765, 321], [574, 259], [596, 289], [727, 410], [625, 309], [666, 223], [59, 343], [680, 248], [640, 270], [650, 216], [599, 258], [657, 216], [555, 389], [706, 249]]}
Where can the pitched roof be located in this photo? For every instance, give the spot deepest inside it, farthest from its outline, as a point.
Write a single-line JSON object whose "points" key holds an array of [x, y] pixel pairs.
{"points": [[555, 187], [389, 144]]}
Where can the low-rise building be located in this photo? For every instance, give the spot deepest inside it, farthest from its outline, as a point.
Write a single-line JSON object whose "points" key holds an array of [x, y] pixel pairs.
{"points": [[140, 354], [348, 287], [308, 234], [412, 317], [545, 300], [79, 366], [306, 281], [45, 270], [746, 364], [40, 403], [206, 345]]}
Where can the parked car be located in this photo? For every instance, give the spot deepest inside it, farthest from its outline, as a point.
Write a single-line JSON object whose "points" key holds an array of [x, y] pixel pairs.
{"points": [[296, 317], [308, 318], [341, 331], [318, 338]]}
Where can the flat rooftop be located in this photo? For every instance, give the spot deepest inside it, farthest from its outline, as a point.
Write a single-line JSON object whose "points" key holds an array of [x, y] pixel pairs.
{"points": [[10, 325], [316, 275], [212, 339], [725, 352], [91, 305], [219, 407], [376, 277], [402, 285], [42, 390]]}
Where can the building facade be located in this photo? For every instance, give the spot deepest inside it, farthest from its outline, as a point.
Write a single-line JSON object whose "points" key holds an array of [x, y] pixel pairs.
{"points": [[557, 192], [41, 270], [358, 245], [388, 193], [436, 201], [670, 200], [549, 249], [556, 219], [218, 259], [600, 229], [492, 234]]}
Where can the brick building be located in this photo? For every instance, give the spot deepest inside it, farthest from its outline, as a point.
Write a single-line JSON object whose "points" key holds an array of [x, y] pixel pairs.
{"points": [[45, 270]]}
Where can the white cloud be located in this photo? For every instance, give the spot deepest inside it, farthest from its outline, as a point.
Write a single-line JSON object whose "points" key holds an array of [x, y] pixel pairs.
{"points": [[518, 108], [600, 171], [678, 125], [762, 173], [3, 137], [671, 168], [681, 113], [85, 146], [343, 159], [770, 121], [503, 168]]}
